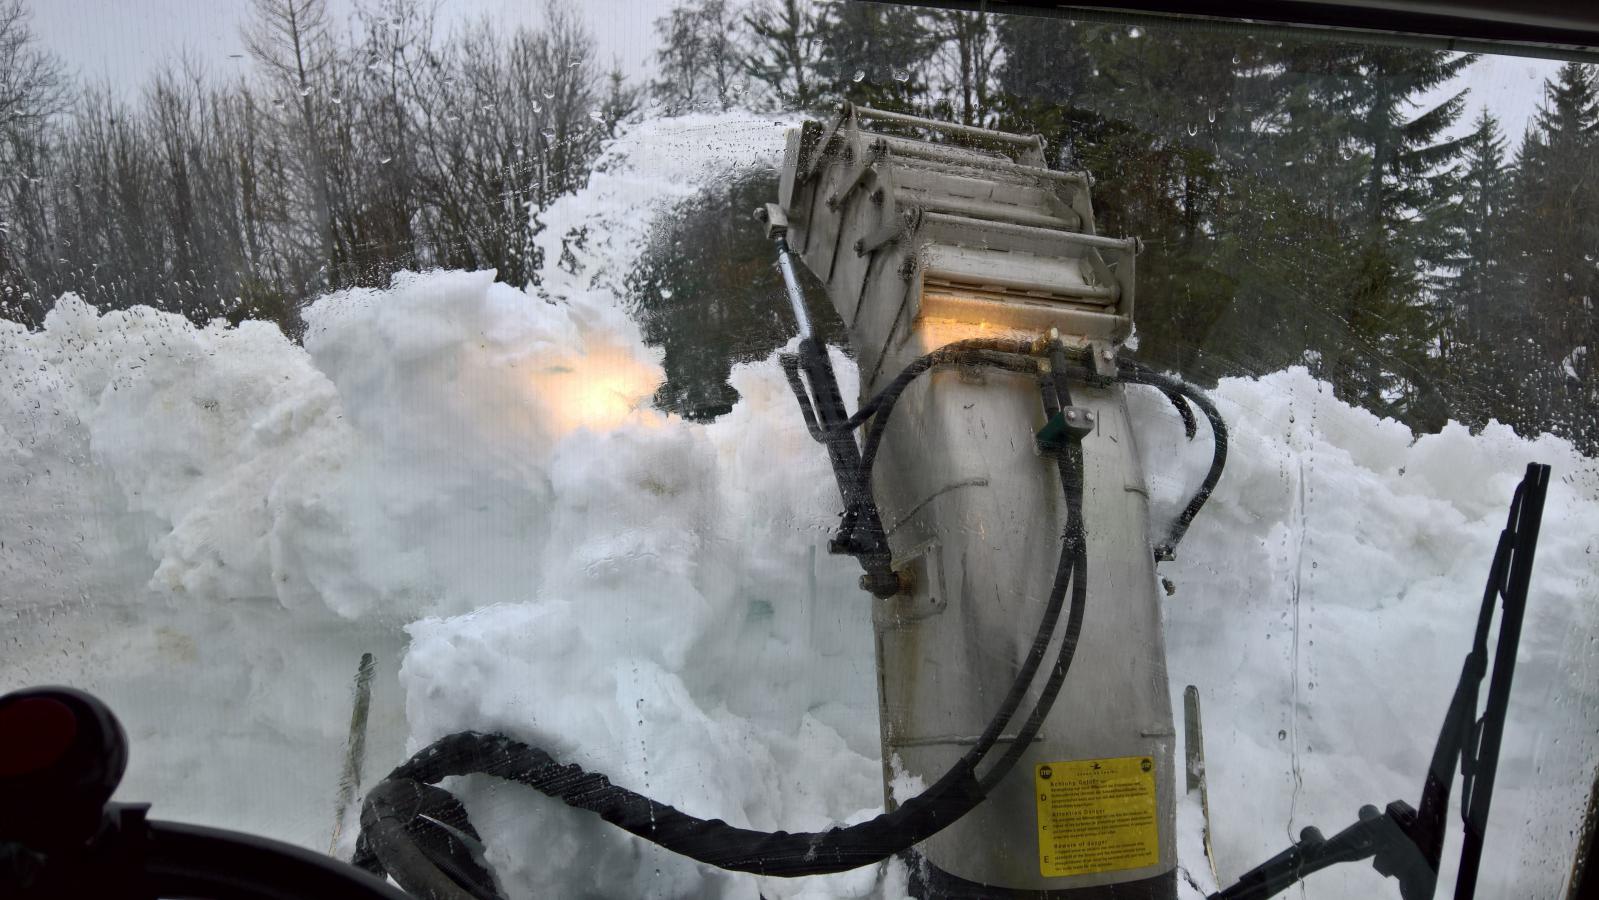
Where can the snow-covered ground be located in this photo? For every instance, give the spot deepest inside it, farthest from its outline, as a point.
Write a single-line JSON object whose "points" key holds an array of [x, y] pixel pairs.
{"points": [[208, 526]]}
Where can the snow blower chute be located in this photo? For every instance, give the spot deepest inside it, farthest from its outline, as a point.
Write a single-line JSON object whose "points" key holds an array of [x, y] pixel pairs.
{"points": [[979, 299]]}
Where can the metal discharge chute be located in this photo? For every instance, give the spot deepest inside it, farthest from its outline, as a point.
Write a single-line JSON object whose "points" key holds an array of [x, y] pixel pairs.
{"points": [[930, 236]]}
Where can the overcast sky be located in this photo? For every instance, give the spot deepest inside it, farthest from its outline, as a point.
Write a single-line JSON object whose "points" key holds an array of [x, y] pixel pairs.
{"points": [[122, 41]]}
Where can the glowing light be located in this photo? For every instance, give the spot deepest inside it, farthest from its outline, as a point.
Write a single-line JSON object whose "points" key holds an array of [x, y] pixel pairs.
{"points": [[599, 390]]}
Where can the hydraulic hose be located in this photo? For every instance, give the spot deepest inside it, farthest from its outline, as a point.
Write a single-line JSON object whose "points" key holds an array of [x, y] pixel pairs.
{"points": [[406, 827], [1176, 391], [781, 853], [1075, 540], [790, 854]]}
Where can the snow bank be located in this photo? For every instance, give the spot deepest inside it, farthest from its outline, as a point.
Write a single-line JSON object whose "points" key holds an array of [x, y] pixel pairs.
{"points": [[209, 525], [1326, 599]]}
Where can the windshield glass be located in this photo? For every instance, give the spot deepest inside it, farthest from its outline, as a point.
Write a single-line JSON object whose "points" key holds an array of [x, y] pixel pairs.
{"points": [[377, 370]]}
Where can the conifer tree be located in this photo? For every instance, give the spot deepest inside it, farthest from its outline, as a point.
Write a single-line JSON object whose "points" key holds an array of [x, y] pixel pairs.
{"points": [[1483, 316], [1396, 224], [1557, 234], [783, 51], [1476, 298], [874, 55]]}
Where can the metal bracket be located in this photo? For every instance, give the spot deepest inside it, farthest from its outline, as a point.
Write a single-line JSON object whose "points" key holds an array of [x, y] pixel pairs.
{"points": [[1104, 358], [776, 220], [860, 168], [1071, 423], [894, 229]]}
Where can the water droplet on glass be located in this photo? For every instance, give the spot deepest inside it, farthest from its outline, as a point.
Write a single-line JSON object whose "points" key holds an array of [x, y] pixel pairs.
{"points": [[902, 74], [666, 293], [1282, 735], [859, 76], [1193, 128], [549, 95], [1135, 32], [1210, 114], [596, 116], [1236, 59], [385, 160], [1095, 73]]}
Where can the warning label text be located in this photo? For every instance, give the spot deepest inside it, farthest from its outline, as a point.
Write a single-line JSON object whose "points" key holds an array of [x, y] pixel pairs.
{"points": [[1096, 815]]}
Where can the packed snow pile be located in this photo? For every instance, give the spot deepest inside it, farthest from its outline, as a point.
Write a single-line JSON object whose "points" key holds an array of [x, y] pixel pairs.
{"points": [[208, 526], [1326, 599]]}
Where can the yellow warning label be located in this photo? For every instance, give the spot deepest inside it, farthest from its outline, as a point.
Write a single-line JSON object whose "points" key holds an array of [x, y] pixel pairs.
{"points": [[1096, 815]]}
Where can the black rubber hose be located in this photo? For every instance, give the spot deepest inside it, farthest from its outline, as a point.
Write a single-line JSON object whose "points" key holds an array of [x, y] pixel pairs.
{"points": [[781, 853], [1076, 538], [1190, 425], [890, 392], [1057, 374], [878, 407], [1139, 374], [431, 865], [710, 841], [790, 364], [986, 352], [883, 404], [994, 353], [795, 854]]}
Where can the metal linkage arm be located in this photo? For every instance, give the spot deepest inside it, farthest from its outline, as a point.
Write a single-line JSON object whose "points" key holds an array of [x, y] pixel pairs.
{"points": [[861, 533]]}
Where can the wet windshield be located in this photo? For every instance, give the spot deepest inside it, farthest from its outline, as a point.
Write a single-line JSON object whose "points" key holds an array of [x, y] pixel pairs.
{"points": [[380, 370]]}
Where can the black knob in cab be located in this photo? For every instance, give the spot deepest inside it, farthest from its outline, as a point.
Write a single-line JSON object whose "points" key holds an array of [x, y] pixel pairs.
{"points": [[62, 754]]}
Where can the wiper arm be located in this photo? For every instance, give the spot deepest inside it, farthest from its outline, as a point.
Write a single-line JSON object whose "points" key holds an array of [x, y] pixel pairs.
{"points": [[1383, 836], [1407, 844]]}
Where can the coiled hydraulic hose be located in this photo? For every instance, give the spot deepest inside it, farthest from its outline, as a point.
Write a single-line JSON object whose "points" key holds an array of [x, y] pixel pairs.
{"points": [[383, 848], [1177, 391], [389, 843]]}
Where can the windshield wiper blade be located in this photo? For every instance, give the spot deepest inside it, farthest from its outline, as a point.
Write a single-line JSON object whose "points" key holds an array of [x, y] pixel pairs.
{"points": [[1480, 756], [1407, 844]]}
